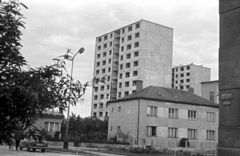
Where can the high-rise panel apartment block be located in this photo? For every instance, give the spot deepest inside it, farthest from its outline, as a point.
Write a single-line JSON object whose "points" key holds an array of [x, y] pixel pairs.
{"points": [[190, 77], [140, 51]]}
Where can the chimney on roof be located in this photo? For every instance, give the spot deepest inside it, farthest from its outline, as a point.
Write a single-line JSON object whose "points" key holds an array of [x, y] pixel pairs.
{"points": [[139, 85]]}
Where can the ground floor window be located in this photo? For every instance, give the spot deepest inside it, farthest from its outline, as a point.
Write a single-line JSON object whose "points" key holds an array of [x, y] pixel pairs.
{"points": [[192, 134], [210, 135], [52, 126], [172, 132], [151, 131]]}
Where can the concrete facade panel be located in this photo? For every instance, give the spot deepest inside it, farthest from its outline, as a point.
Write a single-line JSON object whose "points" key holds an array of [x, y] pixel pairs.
{"points": [[182, 133], [162, 131]]}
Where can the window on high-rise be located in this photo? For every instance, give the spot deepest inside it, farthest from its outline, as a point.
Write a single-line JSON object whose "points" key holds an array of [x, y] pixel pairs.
{"points": [[109, 69], [122, 39], [188, 74], [136, 54], [99, 39], [188, 67], [104, 54], [120, 85], [130, 28], [126, 84], [135, 63], [137, 26], [188, 80], [101, 105], [127, 74], [111, 35], [121, 57], [120, 76], [103, 71], [102, 88], [108, 87], [95, 97], [137, 35], [100, 114], [110, 44], [128, 56], [134, 83], [182, 69], [107, 96], [109, 61], [119, 94], [105, 46], [123, 31], [135, 73], [105, 37], [122, 48], [136, 44], [95, 106], [121, 66], [104, 62], [97, 72], [98, 56], [192, 115], [128, 65], [99, 47], [102, 96], [98, 64], [129, 47], [182, 75], [126, 93], [129, 37], [110, 52]]}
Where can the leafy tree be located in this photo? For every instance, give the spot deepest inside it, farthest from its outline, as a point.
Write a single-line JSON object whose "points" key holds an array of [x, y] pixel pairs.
{"points": [[25, 94]]}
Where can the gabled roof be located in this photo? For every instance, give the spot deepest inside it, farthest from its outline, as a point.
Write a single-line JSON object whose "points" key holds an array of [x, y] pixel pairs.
{"points": [[167, 95]]}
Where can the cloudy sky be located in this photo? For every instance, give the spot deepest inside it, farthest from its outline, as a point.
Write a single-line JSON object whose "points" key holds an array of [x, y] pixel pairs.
{"points": [[52, 26]]}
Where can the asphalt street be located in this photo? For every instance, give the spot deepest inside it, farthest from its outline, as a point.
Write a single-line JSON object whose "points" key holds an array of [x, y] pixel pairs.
{"points": [[4, 151]]}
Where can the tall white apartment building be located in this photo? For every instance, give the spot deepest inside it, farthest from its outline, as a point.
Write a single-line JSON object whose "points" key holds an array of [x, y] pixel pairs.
{"points": [[189, 77], [139, 51]]}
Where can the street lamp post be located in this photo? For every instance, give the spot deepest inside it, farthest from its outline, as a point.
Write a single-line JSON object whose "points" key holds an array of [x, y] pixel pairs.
{"points": [[65, 145]]}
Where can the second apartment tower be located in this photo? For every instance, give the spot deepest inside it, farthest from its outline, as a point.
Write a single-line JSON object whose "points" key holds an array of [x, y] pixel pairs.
{"points": [[137, 54]]}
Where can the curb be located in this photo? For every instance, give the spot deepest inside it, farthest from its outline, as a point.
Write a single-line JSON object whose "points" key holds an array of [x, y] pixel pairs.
{"points": [[73, 153]]}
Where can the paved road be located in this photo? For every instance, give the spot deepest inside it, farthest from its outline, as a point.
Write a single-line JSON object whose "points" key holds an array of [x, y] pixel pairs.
{"points": [[5, 152]]}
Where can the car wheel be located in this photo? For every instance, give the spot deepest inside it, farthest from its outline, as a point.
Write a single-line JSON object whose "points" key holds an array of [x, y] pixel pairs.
{"points": [[34, 149], [43, 150], [20, 148], [28, 149]]}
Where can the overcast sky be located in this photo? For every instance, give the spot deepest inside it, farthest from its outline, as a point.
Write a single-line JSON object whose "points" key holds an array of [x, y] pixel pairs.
{"points": [[52, 26]]}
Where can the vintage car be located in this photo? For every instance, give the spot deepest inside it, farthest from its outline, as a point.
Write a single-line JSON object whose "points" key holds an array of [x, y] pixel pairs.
{"points": [[33, 142]]}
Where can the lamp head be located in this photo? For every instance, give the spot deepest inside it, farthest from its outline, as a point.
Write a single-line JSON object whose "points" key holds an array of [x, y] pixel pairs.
{"points": [[81, 50]]}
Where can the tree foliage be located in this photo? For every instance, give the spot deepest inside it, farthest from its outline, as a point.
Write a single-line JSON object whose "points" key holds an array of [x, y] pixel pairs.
{"points": [[88, 129], [26, 93]]}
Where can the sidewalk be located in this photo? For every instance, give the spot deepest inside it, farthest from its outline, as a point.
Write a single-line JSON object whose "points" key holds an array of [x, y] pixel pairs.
{"points": [[82, 150]]}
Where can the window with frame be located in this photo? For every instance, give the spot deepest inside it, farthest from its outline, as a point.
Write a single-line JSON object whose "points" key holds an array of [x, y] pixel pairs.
{"points": [[118, 128], [128, 65], [100, 114], [110, 52], [151, 131], [104, 63], [181, 75], [103, 71], [188, 74], [134, 83], [172, 132], [109, 69], [97, 72], [105, 46], [210, 135], [110, 44], [129, 47], [106, 114], [188, 67], [95, 97], [109, 61], [104, 54], [120, 85], [111, 35], [211, 117], [137, 26], [102, 88], [101, 96], [126, 93], [181, 81], [107, 96], [121, 66], [136, 54], [192, 115], [120, 76], [211, 96], [137, 35], [99, 39], [95, 106], [122, 39], [96, 89], [182, 69], [129, 37], [192, 134], [123, 31], [151, 111], [121, 57], [130, 28], [98, 56], [173, 113], [98, 64], [135, 73], [101, 105], [176, 76], [99, 47], [176, 82], [136, 44], [127, 74], [108, 87], [106, 105], [126, 84], [105, 37], [122, 48], [128, 56], [134, 91], [108, 78], [119, 94], [135, 63], [119, 109], [94, 114]]}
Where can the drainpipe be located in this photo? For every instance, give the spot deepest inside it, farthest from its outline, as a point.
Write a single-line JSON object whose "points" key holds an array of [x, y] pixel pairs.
{"points": [[138, 120]]}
